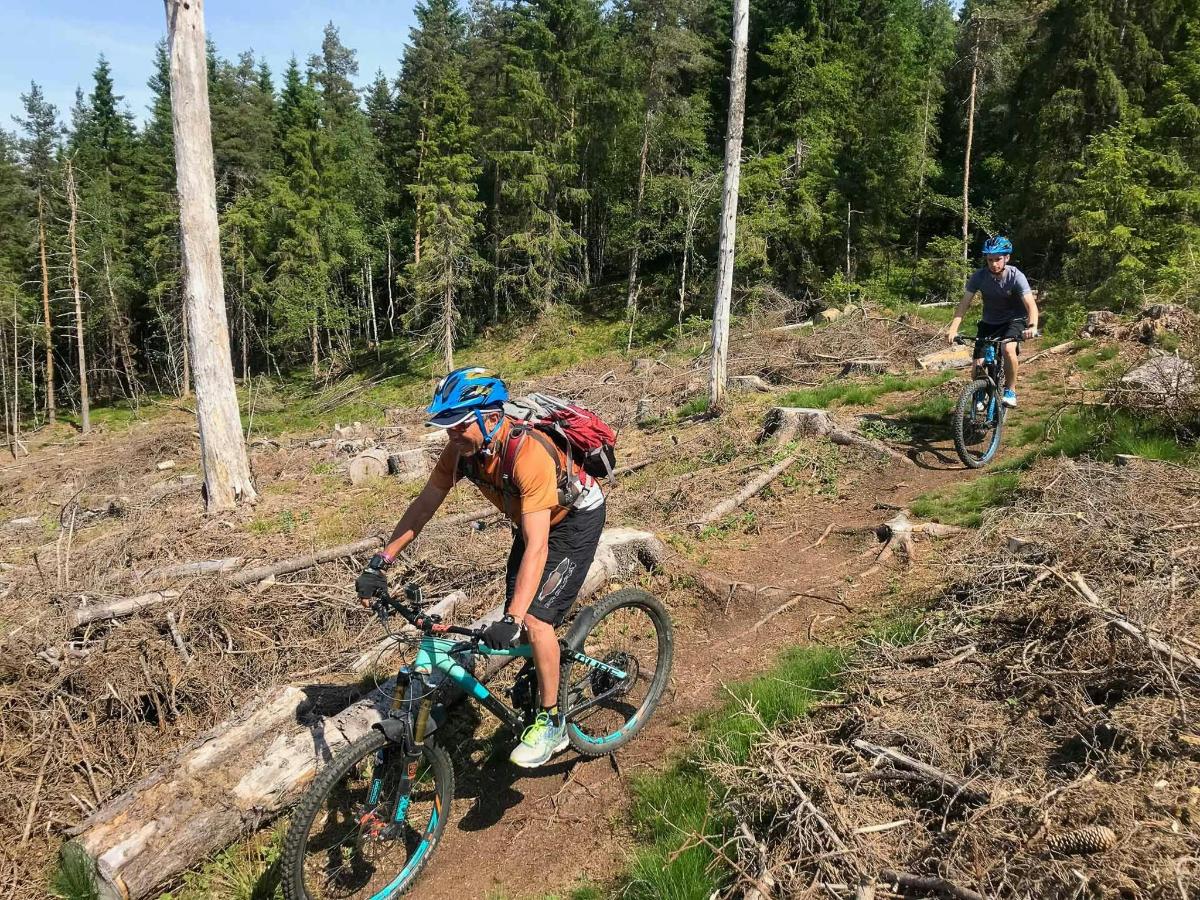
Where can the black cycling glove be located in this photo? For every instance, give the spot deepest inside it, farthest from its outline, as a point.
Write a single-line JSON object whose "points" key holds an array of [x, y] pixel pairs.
{"points": [[372, 583], [503, 635]]}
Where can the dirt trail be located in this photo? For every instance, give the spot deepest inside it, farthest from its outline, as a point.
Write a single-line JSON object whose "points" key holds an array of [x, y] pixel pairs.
{"points": [[518, 834]]}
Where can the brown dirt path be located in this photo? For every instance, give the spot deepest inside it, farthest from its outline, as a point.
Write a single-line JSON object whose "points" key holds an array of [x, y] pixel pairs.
{"points": [[516, 834]]}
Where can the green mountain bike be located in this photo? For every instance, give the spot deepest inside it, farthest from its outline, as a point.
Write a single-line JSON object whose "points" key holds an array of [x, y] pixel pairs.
{"points": [[371, 820]]}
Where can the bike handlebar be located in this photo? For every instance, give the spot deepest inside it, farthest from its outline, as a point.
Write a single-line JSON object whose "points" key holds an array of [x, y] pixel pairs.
{"points": [[968, 340], [427, 623]]}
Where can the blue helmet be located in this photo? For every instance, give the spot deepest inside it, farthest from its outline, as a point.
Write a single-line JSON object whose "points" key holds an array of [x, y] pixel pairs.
{"points": [[998, 244], [464, 393]]}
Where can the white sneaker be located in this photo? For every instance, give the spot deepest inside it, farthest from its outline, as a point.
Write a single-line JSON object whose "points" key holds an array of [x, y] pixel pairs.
{"points": [[539, 742]]}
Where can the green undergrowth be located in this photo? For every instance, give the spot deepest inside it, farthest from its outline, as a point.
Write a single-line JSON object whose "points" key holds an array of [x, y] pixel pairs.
{"points": [[1104, 435], [860, 393], [964, 504], [676, 813], [673, 810]]}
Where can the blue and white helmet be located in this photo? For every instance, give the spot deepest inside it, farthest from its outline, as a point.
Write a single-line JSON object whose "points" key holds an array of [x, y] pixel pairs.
{"points": [[997, 245], [464, 393]]}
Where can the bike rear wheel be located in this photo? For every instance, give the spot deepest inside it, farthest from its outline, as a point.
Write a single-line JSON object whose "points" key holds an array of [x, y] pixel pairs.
{"points": [[344, 842], [978, 423], [631, 631]]}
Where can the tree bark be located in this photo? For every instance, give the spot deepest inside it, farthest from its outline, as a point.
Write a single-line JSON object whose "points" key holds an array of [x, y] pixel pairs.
{"points": [[371, 302], [631, 294], [251, 767], [227, 476], [448, 326], [966, 208], [391, 315], [119, 329], [48, 328], [73, 204], [729, 203]]}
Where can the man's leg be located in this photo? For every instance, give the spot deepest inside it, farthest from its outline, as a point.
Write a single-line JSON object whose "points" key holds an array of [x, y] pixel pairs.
{"points": [[1010, 366], [546, 658]]}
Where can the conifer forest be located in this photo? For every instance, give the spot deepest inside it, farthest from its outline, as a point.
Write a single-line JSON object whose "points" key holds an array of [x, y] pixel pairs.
{"points": [[532, 155]]}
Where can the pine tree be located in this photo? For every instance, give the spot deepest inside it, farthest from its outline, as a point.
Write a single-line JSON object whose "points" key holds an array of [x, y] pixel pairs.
{"points": [[42, 133], [444, 190]]}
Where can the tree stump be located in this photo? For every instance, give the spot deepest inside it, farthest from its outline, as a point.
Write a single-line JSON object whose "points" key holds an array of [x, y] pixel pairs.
{"points": [[957, 357], [368, 464], [409, 465]]}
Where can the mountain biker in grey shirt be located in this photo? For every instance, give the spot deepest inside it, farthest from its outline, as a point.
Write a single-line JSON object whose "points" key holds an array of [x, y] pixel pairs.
{"points": [[1009, 309]]}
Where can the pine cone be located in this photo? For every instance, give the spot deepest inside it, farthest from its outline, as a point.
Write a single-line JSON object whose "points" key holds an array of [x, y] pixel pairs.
{"points": [[1092, 839]]}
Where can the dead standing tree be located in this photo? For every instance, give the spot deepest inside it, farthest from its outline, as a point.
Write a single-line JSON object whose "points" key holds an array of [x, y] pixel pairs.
{"points": [[222, 450], [729, 204], [73, 204]]}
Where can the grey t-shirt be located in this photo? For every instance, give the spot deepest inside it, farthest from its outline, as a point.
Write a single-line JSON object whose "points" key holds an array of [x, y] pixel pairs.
{"points": [[1003, 297]]}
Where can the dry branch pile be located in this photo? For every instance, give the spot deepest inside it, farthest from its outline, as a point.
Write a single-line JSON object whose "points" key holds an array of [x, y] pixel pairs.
{"points": [[1039, 740]]}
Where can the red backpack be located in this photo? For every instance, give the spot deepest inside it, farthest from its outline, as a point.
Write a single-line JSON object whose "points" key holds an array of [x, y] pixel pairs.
{"points": [[569, 433]]}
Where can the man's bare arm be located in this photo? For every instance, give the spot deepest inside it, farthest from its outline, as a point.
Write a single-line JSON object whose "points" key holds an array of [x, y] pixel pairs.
{"points": [[963, 305], [416, 517], [1031, 313]]}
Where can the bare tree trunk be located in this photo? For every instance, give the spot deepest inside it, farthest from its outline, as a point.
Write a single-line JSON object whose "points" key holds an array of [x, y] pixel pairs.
{"points": [[73, 203], [227, 477], [9, 436], [371, 301], [16, 406], [51, 411], [970, 139], [316, 347], [637, 212], [448, 325], [118, 327], [729, 203], [924, 150], [391, 300], [494, 215]]}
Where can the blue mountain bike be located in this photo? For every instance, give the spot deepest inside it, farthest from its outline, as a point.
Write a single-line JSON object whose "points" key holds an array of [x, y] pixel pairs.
{"points": [[979, 413], [368, 825]]}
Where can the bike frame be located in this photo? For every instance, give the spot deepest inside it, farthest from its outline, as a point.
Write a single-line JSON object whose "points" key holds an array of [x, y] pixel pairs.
{"points": [[992, 370]]}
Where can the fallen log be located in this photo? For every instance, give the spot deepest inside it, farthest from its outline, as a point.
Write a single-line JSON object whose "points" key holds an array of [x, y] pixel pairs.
{"points": [[127, 606], [118, 609], [786, 423], [725, 507], [191, 569], [250, 768]]}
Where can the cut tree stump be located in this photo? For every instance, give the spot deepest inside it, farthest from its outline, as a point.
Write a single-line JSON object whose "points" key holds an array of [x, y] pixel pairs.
{"points": [[899, 533], [748, 384], [250, 768], [785, 423], [942, 360], [872, 366], [409, 465], [369, 464]]}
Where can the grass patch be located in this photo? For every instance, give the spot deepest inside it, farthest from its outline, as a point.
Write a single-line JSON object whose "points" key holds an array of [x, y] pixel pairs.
{"points": [[694, 407], [73, 879], [964, 504], [850, 393], [247, 871], [1104, 436], [672, 807], [1088, 360]]}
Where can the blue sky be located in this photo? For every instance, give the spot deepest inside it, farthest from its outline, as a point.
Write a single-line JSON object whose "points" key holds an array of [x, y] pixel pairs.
{"points": [[57, 42]]}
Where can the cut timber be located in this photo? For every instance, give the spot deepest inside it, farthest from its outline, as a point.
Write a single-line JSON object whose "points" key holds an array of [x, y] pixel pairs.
{"points": [[250, 768], [725, 507], [409, 465], [191, 569], [127, 606], [748, 384], [118, 609], [367, 465], [864, 367], [942, 360], [807, 323], [1051, 351], [786, 423]]}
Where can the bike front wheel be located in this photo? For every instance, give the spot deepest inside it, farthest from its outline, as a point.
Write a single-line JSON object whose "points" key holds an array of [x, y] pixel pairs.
{"points": [[631, 632], [978, 423], [354, 837]]}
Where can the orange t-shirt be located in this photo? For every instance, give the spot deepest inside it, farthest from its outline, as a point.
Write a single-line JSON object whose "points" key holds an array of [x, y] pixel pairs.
{"points": [[534, 477]]}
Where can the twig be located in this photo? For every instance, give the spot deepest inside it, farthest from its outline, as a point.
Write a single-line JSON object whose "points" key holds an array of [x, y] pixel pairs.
{"points": [[815, 544], [929, 883], [934, 775], [87, 764], [37, 790], [178, 638]]}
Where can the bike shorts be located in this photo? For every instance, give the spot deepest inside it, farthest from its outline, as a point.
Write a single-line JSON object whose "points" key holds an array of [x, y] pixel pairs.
{"points": [[1013, 329], [573, 543]]}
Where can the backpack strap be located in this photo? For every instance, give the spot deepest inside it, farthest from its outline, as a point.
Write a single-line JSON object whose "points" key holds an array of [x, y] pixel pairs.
{"points": [[562, 481]]}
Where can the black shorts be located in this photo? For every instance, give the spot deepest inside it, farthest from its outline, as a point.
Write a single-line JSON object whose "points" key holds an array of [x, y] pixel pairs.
{"points": [[573, 543], [1013, 329]]}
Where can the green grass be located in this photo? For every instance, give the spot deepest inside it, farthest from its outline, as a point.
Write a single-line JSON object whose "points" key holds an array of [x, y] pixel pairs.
{"points": [[964, 504], [1088, 360], [672, 809], [1103, 436], [860, 393], [694, 407], [247, 871], [73, 879]]}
